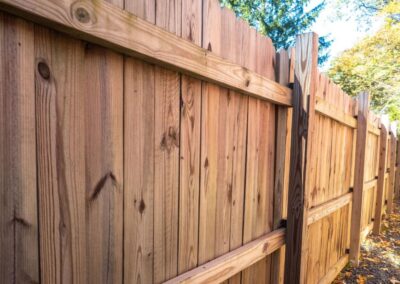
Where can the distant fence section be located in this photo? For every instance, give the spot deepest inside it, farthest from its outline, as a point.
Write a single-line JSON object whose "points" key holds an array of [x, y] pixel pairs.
{"points": [[167, 142]]}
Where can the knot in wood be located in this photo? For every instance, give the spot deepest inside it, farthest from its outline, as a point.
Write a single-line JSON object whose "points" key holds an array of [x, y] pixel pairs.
{"points": [[170, 140], [44, 70], [82, 15]]}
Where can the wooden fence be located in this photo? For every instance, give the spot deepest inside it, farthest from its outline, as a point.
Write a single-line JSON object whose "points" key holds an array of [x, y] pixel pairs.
{"points": [[177, 146]]}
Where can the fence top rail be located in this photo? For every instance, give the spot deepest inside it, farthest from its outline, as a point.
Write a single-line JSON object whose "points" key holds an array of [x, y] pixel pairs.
{"points": [[107, 25]]}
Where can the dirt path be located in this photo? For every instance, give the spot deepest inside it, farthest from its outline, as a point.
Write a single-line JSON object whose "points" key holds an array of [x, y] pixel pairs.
{"points": [[380, 255]]}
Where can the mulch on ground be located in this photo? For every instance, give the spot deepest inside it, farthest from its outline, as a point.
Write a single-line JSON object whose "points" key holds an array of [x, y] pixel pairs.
{"points": [[380, 255]]}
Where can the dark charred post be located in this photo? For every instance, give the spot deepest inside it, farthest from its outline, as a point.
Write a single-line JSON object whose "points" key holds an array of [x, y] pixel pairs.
{"points": [[302, 130]]}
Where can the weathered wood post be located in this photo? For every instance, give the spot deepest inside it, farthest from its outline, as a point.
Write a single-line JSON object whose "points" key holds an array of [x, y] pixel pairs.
{"points": [[381, 180], [362, 128], [392, 172], [302, 131]]}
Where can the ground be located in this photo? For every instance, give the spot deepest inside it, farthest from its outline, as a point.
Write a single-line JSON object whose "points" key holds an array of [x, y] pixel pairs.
{"points": [[380, 255]]}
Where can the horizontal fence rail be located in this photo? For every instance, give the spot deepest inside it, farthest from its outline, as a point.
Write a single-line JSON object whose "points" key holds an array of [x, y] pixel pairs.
{"points": [[110, 26], [168, 142]]}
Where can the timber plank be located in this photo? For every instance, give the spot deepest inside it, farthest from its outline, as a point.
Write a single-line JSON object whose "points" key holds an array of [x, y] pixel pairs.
{"points": [[166, 172], [334, 270], [392, 172], [61, 157], [282, 70], [229, 264], [224, 119], [103, 87], [139, 155], [359, 177], [139, 133], [189, 174], [223, 136], [19, 261], [259, 179], [327, 208], [108, 25], [332, 111], [190, 129]]}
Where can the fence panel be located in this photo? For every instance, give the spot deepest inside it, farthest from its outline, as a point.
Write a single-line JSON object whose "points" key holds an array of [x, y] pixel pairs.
{"points": [[158, 147], [331, 181]]}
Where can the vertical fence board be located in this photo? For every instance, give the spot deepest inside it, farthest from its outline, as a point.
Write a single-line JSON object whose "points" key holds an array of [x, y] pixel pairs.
{"points": [[189, 182], [259, 55], [189, 173], [282, 70], [381, 181], [166, 174], [166, 171], [103, 93], [259, 178], [392, 168], [138, 171], [302, 131], [18, 192], [139, 135], [61, 163], [362, 129], [144, 9], [224, 119]]}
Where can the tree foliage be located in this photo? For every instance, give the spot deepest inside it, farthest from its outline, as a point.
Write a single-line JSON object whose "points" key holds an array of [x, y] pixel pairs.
{"points": [[374, 65], [363, 11], [280, 20]]}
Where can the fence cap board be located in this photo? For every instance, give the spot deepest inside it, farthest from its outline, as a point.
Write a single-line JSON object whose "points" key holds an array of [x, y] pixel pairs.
{"points": [[107, 25]]}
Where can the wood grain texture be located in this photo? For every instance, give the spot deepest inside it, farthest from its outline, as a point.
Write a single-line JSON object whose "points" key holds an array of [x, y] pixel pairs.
{"points": [[223, 140], [363, 104], [320, 211], [229, 264], [189, 174], [329, 110], [334, 270], [108, 25], [139, 133], [166, 174], [259, 54], [139, 155], [259, 199], [223, 136], [301, 154], [61, 157], [280, 183], [103, 94], [145, 173], [19, 261], [190, 115], [167, 148]]}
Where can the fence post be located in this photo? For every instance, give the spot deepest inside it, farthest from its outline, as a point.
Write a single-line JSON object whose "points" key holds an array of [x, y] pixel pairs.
{"points": [[397, 183], [306, 54], [362, 128], [391, 171], [381, 180]]}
